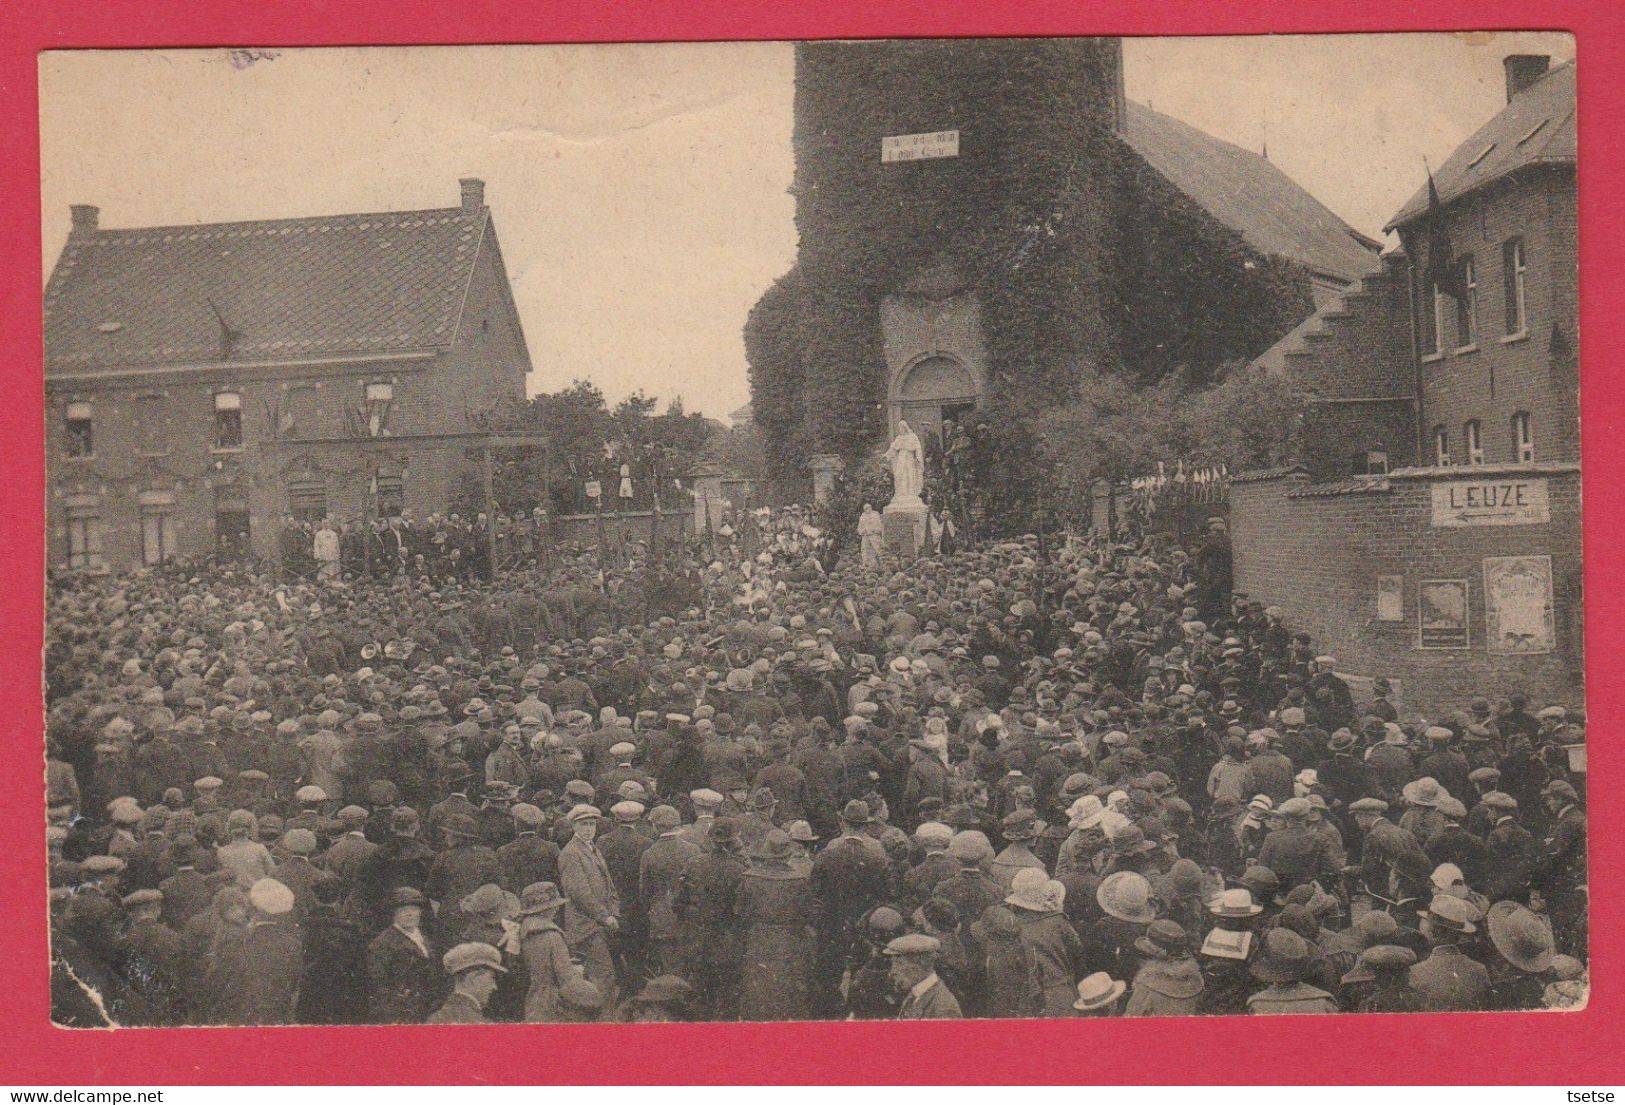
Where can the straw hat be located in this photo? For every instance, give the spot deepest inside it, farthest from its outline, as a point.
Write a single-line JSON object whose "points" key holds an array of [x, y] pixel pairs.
{"points": [[1098, 991], [1125, 895], [1521, 937]]}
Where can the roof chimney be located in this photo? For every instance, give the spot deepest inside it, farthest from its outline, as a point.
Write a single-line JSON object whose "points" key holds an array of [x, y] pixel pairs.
{"points": [[474, 193], [1524, 70], [84, 216]]}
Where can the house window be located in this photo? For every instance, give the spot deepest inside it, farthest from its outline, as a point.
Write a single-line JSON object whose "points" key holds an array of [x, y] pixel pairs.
{"points": [[1376, 462], [307, 501], [1441, 446], [388, 497], [1467, 308], [81, 436], [158, 528], [379, 397], [228, 420], [1523, 438], [1473, 440], [1514, 272], [84, 533]]}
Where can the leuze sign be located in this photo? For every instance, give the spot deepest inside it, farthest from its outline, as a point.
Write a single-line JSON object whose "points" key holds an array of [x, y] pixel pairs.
{"points": [[919, 147], [1512, 501]]}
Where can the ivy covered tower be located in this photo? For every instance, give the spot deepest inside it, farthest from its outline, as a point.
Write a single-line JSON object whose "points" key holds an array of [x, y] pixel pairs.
{"points": [[976, 222]]}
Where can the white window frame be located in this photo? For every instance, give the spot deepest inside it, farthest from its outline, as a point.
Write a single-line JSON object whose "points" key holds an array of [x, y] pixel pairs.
{"points": [[1438, 326], [80, 411], [1468, 306], [1523, 437], [1441, 447], [1520, 290], [225, 401], [1472, 441]]}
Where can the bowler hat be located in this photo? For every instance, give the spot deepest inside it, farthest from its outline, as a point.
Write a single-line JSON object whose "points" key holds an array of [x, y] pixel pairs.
{"points": [[856, 812], [1285, 957], [1163, 939], [405, 896]]}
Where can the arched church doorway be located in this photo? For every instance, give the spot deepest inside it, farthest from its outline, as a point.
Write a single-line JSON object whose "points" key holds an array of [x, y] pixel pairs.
{"points": [[934, 389]]}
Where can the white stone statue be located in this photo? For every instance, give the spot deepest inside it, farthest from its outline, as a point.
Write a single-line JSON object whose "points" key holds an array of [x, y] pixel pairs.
{"points": [[907, 459]]}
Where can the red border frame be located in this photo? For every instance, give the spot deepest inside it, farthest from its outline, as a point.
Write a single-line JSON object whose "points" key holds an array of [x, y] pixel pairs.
{"points": [[1510, 1048]]}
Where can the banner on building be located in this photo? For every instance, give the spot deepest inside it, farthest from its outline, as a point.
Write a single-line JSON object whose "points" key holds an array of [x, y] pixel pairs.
{"points": [[919, 147], [1442, 614], [1390, 598], [1518, 617]]}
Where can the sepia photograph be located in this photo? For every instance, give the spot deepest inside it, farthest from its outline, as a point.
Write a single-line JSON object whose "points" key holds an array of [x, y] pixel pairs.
{"points": [[841, 530]]}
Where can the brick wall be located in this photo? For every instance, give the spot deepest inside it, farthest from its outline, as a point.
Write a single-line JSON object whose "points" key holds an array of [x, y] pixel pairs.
{"points": [[1503, 373], [1317, 550]]}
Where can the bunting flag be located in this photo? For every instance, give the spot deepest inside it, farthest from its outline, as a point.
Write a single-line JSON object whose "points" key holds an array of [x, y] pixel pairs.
{"points": [[1443, 271]]}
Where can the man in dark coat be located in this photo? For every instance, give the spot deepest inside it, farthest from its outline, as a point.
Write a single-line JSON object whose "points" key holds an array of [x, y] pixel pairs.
{"points": [[660, 869], [335, 988], [529, 857], [153, 958], [704, 901], [849, 878]]}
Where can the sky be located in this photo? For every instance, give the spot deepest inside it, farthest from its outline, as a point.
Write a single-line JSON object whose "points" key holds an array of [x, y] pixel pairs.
{"points": [[640, 192]]}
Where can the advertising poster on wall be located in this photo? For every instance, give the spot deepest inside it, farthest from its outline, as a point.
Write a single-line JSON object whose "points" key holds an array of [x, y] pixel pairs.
{"points": [[1518, 617], [1442, 614]]}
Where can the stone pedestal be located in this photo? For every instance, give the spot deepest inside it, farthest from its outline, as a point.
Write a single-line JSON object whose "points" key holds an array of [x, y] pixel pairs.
{"points": [[826, 469], [904, 520]]}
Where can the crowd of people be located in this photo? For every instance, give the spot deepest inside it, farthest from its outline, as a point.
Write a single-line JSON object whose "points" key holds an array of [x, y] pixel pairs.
{"points": [[744, 783]]}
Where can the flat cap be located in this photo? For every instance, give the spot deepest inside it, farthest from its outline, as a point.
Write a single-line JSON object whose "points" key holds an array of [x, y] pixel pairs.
{"points": [[584, 812], [625, 811], [101, 865], [915, 943], [1368, 805], [310, 793], [467, 957], [270, 897], [143, 897], [299, 842]]}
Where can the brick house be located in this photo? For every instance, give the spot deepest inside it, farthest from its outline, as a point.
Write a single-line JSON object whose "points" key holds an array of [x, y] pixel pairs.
{"points": [[204, 381], [1432, 533]]}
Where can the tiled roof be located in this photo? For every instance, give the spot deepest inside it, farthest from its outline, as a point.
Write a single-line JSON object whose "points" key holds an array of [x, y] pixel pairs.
{"points": [[288, 288], [1259, 475], [1535, 128], [1247, 193]]}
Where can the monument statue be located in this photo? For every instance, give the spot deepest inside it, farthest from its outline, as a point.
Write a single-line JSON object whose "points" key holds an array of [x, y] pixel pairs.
{"points": [[907, 458]]}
